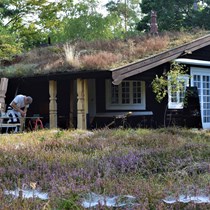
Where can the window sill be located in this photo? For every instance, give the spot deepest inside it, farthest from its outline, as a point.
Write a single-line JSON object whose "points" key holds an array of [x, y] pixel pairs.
{"points": [[114, 114]]}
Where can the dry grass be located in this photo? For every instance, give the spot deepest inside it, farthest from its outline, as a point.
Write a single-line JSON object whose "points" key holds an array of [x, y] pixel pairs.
{"points": [[101, 60], [71, 56]]}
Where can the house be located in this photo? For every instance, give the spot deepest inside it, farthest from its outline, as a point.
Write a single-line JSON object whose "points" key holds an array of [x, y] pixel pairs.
{"points": [[89, 98], [195, 55]]}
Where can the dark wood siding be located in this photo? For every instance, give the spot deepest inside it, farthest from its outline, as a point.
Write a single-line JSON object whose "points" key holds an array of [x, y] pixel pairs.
{"points": [[136, 121], [100, 95], [38, 90], [201, 54], [63, 103]]}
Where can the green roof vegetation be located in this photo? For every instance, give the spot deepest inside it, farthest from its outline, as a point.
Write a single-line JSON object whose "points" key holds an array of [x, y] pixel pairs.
{"points": [[94, 55]]}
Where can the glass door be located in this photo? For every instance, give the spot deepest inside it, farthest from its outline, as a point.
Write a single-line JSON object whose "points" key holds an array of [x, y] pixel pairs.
{"points": [[201, 79]]}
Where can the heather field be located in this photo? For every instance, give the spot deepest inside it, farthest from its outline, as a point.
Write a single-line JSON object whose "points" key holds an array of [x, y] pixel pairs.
{"points": [[118, 169]]}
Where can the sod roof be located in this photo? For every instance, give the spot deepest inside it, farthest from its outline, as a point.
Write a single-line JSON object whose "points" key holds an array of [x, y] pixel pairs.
{"points": [[100, 55]]}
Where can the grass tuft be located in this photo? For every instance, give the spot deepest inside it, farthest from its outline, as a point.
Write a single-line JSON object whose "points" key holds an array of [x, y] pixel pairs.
{"points": [[71, 56]]}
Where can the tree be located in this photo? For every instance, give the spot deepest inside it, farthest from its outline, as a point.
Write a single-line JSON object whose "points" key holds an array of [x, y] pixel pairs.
{"points": [[31, 20], [174, 14], [83, 21], [201, 15], [8, 44], [127, 11]]}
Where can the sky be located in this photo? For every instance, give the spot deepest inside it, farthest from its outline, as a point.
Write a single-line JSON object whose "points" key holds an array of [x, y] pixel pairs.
{"points": [[100, 6]]}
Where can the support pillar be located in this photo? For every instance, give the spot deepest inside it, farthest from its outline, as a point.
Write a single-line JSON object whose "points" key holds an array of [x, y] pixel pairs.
{"points": [[53, 103], [82, 103], [3, 90]]}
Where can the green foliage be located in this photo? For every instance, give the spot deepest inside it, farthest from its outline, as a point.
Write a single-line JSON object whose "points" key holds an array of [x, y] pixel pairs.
{"points": [[8, 45], [83, 17], [92, 27], [30, 20], [160, 84], [32, 37], [128, 12], [83, 22], [34, 21], [70, 203], [175, 15]]}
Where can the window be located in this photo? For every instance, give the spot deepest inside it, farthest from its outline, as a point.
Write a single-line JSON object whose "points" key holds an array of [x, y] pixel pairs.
{"points": [[176, 96], [129, 95]]}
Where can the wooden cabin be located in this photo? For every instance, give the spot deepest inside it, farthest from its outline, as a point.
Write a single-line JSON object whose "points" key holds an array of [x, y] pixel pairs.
{"points": [[92, 98]]}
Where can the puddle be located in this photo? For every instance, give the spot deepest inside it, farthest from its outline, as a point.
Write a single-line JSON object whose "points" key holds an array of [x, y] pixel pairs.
{"points": [[27, 194], [187, 199], [92, 200]]}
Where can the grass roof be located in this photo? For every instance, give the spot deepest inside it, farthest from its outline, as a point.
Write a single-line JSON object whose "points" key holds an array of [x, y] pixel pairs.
{"points": [[95, 55]]}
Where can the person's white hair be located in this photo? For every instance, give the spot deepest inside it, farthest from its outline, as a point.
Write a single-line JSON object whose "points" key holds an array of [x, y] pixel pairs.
{"points": [[29, 99]]}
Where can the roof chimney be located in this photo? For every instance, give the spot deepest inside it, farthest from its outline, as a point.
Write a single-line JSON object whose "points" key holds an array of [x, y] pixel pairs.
{"points": [[153, 24]]}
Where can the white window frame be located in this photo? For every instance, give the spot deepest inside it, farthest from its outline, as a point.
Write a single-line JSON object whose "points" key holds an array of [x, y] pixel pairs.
{"points": [[201, 71], [177, 104], [120, 105]]}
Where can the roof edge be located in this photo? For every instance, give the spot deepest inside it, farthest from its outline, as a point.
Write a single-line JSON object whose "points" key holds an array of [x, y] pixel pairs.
{"points": [[140, 66]]}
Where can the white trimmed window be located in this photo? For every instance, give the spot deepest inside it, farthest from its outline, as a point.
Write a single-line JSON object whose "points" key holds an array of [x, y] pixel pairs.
{"points": [[176, 97], [129, 95]]}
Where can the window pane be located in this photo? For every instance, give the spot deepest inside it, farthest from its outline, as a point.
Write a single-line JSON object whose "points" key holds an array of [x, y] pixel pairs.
{"points": [[125, 92], [196, 78], [177, 91], [173, 94], [181, 91], [173, 98], [126, 95], [136, 92], [115, 94]]}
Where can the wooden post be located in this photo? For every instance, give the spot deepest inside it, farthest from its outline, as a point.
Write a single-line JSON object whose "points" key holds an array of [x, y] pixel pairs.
{"points": [[3, 90], [82, 103], [53, 103]]}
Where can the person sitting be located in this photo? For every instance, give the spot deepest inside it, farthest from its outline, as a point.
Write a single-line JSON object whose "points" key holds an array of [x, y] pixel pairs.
{"points": [[18, 107]]}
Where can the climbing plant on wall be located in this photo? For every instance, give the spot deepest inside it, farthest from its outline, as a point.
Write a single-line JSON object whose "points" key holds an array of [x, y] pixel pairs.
{"points": [[160, 85]]}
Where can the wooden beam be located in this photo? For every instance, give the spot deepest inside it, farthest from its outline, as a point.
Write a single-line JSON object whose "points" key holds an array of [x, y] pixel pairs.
{"points": [[82, 103], [3, 90], [53, 104]]}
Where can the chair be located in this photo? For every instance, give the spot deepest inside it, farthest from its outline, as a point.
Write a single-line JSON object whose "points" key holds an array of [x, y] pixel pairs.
{"points": [[35, 122], [5, 122]]}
